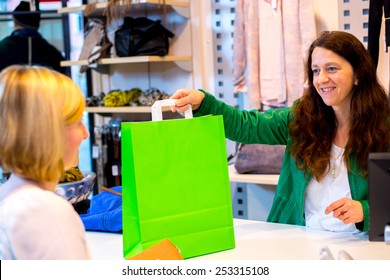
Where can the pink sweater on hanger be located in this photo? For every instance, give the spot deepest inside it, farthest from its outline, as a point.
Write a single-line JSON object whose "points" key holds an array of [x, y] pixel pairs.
{"points": [[271, 38]]}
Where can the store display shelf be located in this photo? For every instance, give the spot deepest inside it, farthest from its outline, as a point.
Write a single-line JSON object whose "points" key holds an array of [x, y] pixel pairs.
{"points": [[262, 179], [124, 109], [130, 113], [130, 59], [180, 6]]}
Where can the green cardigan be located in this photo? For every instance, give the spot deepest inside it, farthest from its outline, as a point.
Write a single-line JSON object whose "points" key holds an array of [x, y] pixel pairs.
{"points": [[271, 127]]}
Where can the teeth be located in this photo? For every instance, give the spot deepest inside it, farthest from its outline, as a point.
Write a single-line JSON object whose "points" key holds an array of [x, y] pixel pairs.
{"points": [[327, 89]]}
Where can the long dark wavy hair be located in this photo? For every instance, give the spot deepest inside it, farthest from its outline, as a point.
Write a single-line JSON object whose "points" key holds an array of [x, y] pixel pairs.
{"points": [[314, 125]]}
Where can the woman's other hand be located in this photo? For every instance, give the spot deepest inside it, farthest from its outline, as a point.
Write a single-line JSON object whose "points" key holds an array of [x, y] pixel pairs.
{"points": [[346, 210]]}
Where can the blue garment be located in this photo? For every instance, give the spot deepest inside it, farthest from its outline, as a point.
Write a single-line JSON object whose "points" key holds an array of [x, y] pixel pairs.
{"points": [[105, 213]]}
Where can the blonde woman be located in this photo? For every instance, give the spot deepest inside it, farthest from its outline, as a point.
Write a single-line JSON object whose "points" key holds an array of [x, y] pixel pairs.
{"points": [[41, 130]]}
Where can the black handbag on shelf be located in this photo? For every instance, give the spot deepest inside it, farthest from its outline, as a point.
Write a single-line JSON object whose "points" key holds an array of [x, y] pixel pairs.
{"points": [[259, 158], [142, 36]]}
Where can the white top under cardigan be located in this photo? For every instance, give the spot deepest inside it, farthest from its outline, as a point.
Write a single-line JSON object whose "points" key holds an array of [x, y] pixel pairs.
{"points": [[321, 195], [36, 224]]}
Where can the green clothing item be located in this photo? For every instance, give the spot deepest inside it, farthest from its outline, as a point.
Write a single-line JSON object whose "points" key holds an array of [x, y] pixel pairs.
{"points": [[271, 127]]}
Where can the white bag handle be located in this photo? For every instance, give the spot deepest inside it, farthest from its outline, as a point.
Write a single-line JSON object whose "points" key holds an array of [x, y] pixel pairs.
{"points": [[157, 109]]}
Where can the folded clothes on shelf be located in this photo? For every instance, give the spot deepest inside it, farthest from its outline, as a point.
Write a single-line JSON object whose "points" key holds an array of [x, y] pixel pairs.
{"points": [[132, 97]]}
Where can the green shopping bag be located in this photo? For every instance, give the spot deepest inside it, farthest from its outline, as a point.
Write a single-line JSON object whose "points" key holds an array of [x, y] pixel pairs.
{"points": [[175, 185]]}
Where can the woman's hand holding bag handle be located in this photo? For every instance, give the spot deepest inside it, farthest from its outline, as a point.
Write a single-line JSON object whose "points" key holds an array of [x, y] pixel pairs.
{"points": [[157, 109]]}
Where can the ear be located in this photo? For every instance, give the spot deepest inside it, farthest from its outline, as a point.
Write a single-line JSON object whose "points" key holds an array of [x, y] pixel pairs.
{"points": [[356, 81]]}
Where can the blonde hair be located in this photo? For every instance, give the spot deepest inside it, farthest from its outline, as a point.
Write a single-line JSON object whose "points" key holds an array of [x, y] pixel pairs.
{"points": [[35, 106]]}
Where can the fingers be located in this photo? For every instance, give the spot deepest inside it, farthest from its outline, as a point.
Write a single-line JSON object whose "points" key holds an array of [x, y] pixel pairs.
{"points": [[343, 214], [335, 205], [182, 105], [346, 210], [184, 102], [186, 97], [180, 93], [346, 217], [180, 109], [340, 212]]}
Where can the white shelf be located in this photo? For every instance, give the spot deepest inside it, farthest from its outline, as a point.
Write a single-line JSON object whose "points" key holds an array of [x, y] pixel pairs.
{"points": [[262, 179], [119, 110], [130, 59], [177, 5]]}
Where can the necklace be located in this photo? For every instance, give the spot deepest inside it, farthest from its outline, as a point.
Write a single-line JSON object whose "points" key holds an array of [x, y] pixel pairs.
{"points": [[335, 168], [337, 161]]}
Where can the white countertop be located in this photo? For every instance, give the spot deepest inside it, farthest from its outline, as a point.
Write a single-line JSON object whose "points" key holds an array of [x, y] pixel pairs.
{"points": [[267, 241]]}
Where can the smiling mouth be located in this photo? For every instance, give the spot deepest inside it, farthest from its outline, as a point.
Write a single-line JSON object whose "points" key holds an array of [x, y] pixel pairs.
{"points": [[327, 89]]}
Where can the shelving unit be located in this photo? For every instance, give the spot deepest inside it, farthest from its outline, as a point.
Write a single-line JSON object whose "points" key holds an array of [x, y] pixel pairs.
{"points": [[133, 59], [167, 73], [129, 113], [99, 6], [145, 71], [118, 110]]}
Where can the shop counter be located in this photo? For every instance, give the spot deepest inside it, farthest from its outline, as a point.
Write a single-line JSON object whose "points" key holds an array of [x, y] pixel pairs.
{"points": [[257, 240]]}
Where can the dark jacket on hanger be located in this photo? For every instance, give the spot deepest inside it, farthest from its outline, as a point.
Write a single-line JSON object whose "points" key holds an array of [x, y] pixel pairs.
{"points": [[374, 26], [28, 47]]}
